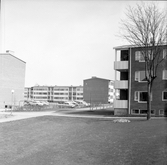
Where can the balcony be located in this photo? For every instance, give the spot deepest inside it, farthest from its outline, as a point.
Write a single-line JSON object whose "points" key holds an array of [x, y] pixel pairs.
{"points": [[120, 103], [122, 84], [121, 65]]}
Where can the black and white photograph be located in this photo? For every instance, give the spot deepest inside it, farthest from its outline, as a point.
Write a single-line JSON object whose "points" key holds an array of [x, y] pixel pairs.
{"points": [[83, 82]]}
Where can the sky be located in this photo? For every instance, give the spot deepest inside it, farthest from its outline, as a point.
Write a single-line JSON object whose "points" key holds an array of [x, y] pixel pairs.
{"points": [[64, 42]]}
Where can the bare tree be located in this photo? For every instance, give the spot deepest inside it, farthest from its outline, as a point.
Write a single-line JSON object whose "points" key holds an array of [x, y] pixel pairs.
{"points": [[146, 27]]}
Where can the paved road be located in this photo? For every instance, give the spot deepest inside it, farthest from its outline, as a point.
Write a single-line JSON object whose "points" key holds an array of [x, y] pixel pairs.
{"points": [[67, 113], [21, 115], [8, 116], [25, 115]]}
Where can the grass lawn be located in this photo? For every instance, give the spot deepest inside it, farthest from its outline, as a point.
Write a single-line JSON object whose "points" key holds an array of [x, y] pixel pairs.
{"points": [[102, 112], [81, 141]]}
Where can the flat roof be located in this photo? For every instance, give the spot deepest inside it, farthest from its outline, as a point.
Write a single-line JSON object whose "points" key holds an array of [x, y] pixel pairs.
{"points": [[93, 77], [56, 86], [125, 47]]}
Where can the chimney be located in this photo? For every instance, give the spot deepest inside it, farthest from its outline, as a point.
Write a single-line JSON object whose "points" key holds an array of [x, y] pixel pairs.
{"points": [[10, 52]]}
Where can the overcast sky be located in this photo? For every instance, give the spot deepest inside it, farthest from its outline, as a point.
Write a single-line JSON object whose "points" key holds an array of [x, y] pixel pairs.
{"points": [[64, 42]]}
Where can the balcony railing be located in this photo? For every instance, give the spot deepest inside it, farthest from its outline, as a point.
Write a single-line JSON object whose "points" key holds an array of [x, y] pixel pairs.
{"points": [[122, 84], [120, 103], [120, 65]]}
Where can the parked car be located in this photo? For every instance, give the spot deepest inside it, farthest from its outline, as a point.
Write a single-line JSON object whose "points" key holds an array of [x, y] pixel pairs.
{"points": [[73, 102], [26, 102], [82, 103], [45, 102], [39, 103], [65, 104], [70, 104], [30, 102]]}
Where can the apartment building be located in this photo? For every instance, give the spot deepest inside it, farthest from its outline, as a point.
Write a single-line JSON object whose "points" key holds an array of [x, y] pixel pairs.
{"points": [[54, 93], [12, 80], [111, 92], [96, 90], [130, 84]]}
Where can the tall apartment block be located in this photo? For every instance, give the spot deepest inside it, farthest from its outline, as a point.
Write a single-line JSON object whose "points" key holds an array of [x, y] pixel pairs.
{"points": [[96, 90], [12, 80], [130, 84], [54, 93]]}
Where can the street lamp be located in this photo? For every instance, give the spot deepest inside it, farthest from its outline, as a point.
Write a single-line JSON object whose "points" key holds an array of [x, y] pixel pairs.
{"points": [[12, 91]]}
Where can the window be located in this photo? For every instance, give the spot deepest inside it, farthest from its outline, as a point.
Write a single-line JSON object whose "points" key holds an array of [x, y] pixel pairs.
{"points": [[164, 75], [152, 111], [137, 55], [141, 111], [136, 96], [135, 111], [164, 95], [141, 96], [79, 89], [165, 53], [144, 111], [124, 55], [161, 112], [137, 76], [140, 56], [140, 76]]}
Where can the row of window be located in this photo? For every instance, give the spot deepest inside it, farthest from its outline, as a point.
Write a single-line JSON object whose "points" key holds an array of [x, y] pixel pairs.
{"points": [[56, 93], [139, 56], [140, 76], [66, 89], [79, 94], [59, 89], [40, 93], [55, 89], [142, 96], [59, 98], [60, 93], [40, 97], [65, 98], [79, 98], [39, 89], [143, 111]]}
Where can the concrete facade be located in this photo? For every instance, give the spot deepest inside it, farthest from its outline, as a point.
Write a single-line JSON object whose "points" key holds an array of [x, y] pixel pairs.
{"points": [[130, 84], [12, 80], [54, 93], [96, 90]]}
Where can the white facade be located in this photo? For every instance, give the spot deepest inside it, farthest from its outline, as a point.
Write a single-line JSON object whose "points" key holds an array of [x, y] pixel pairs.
{"points": [[54, 93], [111, 92], [61, 93], [12, 80]]}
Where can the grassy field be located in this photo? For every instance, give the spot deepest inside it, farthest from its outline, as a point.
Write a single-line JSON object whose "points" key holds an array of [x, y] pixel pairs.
{"points": [[81, 141]]}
